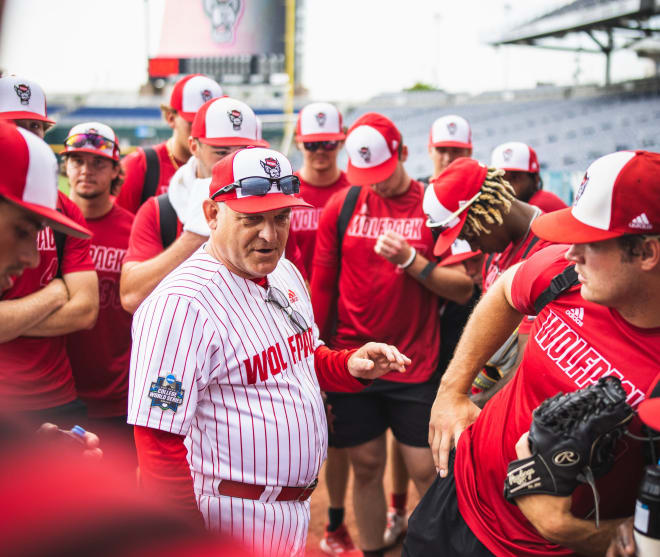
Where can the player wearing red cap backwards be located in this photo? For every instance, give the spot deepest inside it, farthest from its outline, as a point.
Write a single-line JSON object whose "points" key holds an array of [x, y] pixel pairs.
{"points": [[226, 353], [159, 240], [606, 324], [100, 356], [23, 101], [383, 284], [149, 171], [57, 296], [450, 138], [521, 166]]}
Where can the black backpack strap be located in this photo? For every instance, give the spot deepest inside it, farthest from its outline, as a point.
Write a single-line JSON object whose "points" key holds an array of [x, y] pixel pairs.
{"points": [[529, 247], [168, 220], [59, 238], [345, 214], [152, 175], [558, 285]]}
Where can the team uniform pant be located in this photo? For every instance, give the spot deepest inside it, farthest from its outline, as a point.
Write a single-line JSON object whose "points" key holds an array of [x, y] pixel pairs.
{"points": [[278, 528]]}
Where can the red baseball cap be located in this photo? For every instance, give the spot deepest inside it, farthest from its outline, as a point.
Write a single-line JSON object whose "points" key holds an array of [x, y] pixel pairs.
{"points": [[620, 194], [22, 98], [451, 131], [226, 121], [319, 122], [514, 156], [253, 162], [649, 409], [191, 92], [92, 137], [29, 178], [459, 251], [372, 144], [448, 198]]}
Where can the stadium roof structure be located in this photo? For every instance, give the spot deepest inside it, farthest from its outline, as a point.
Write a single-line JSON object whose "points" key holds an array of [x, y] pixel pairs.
{"points": [[611, 25]]}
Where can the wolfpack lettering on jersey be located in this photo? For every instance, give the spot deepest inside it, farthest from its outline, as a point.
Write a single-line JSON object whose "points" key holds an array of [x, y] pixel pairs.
{"points": [[242, 387], [364, 226], [107, 258], [305, 218]]}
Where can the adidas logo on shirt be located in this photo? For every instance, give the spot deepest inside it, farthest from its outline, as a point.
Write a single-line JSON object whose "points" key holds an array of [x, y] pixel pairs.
{"points": [[576, 314], [640, 221]]}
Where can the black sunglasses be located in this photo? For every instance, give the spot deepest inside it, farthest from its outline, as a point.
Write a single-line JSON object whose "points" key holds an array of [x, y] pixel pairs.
{"points": [[314, 145], [278, 298], [259, 185]]}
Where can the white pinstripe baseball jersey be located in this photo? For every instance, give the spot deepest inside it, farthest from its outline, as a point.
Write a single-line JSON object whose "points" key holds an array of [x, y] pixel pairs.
{"points": [[214, 361]]}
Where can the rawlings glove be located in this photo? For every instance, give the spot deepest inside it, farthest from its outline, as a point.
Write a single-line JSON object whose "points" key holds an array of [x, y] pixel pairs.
{"points": [[572, 439]]}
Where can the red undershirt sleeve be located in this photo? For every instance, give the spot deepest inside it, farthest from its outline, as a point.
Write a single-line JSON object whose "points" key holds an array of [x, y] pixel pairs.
{"points": [[332, 371], [164, 470]]}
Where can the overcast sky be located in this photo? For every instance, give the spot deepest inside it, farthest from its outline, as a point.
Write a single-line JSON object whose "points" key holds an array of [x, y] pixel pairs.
{"points": [[354, 49]]}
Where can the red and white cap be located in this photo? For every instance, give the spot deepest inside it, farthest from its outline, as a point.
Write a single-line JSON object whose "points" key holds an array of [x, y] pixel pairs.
{"points": [[92, 137], [451, 131], [372, 144], [448, 198], [620, 194], [29, 178], [22, 99], [459, 251], [247, 163], [226, 121], [514, 156], [320, 122], [191, 92]]}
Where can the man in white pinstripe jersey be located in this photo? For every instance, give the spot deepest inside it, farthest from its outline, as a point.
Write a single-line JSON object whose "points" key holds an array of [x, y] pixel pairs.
{"points": [[226, 359]]}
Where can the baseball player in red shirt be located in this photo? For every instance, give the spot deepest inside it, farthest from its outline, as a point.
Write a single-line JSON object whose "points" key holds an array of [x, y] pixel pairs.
{"points": [[606, 324], [157, 246], [148, 171], [23, 102], [226, 356], [100, 356], [450, 138], [383, 282], [57, 296], [522, 171]]}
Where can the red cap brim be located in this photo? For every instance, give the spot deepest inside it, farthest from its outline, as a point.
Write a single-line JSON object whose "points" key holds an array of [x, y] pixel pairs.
{"points": [[459, 144], [268, 202], [321, 137], [562, 227], [373, 175], [54, 219], [447, 238], [649, 413], [458, 258], [24, 115], [230, 141]]}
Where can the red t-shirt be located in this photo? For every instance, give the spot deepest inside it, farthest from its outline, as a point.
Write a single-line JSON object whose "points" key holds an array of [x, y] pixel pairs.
{"points": [[135, 168], [547, 201], [378, 301], [100, 356], [145, 242], [35, 372], [305, 220], [572, 344]]}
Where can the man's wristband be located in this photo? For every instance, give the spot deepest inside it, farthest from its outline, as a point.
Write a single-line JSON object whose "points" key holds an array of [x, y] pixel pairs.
{"points": [[408, 262], [428, 269]]}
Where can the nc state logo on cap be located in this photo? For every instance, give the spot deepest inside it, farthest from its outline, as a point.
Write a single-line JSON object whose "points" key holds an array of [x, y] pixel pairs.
{"points": [[271, 167], [320, 118], [507, 154], [206, 95], [451, 128], [24, 93], [365, 153], [236, 118], [582, 187]]}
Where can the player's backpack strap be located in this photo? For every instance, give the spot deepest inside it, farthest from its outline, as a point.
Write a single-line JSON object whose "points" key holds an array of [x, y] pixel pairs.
{"points": [[559, 284], [152, 174], [59, 238], [529, 247], [168, 220], [345, 214]]}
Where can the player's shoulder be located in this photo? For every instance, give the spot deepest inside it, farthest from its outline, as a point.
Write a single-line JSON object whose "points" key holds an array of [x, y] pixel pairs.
{"points": [[121, 215]]}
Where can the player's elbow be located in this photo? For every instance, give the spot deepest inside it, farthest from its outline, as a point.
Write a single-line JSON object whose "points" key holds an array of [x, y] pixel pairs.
{"points": [[461, 292], [553, 529], [130, 300]]}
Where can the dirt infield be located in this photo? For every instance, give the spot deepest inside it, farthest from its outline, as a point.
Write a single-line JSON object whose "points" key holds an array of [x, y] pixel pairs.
{"points": [[319, 514]]}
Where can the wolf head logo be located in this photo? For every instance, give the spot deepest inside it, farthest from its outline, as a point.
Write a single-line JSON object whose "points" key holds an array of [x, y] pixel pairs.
{"points": [[365, 153], [320, 119], [451, 128], [236, 119], [206, 95], [271, 167], [507, 154], [24, 93], [224, 16]]}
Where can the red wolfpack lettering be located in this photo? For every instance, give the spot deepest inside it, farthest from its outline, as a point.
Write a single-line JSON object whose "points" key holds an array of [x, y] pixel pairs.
{"points": [[107, 258], [301, 345], [305, 219], [46, 240], [363, 226], [269, 361], [576, 358]]}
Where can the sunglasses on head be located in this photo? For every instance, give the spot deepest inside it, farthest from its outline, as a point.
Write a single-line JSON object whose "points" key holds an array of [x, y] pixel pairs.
{"points": [[93, 140], [259, 185], [326, 145]]}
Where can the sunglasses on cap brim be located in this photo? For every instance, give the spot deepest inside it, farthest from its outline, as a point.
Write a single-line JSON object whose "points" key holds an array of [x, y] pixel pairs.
{"points": [[259, 185], [91, 140], [445, 224], [326, 145]]}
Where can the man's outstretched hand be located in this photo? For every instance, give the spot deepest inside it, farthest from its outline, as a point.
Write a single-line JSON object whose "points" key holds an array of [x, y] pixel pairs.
{"points": [[375, 359]]}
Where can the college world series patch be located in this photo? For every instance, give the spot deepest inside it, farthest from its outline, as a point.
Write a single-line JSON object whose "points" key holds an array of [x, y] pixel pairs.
{"points": [[166, 393]]}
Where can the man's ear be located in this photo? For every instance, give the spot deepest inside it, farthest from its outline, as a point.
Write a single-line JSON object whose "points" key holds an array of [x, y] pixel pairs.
{"points": [[650, 256], [403, 154], [211, 210]]}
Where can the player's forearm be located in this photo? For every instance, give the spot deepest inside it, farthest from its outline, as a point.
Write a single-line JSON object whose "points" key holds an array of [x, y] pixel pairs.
{"points": [[579, 535], [22, 314], [450, 283], [78, 314], [139, 279]]}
